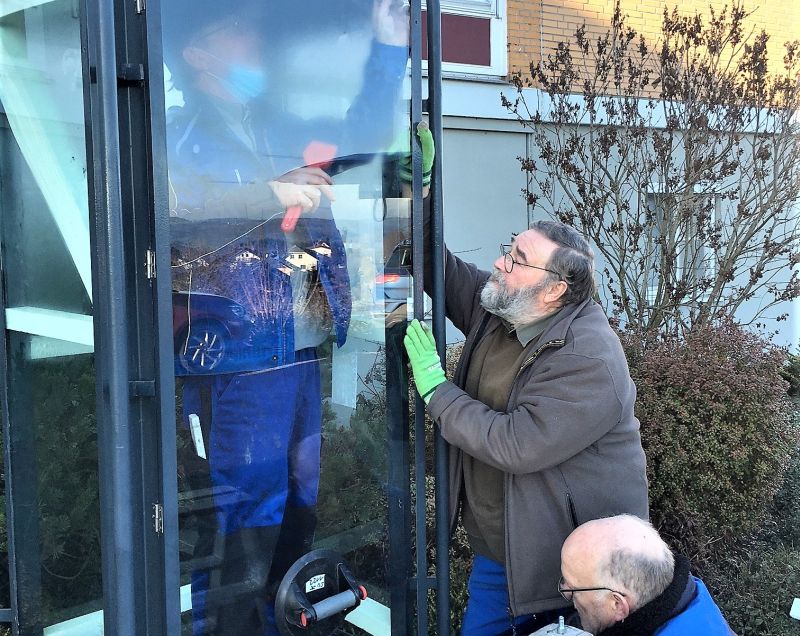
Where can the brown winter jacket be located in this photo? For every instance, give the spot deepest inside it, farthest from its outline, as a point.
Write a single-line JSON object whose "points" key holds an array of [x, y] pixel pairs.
{"points": [[568, 441]]}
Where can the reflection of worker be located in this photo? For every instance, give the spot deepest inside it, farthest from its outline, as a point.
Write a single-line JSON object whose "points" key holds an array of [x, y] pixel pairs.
{"points": [[236, 166], [539, 416], [624, 581]]}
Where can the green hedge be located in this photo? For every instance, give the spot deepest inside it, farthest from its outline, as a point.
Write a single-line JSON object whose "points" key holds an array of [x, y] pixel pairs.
{"points": [[718, 430]]}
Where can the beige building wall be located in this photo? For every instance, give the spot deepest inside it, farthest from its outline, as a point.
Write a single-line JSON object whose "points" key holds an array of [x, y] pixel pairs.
{"points": [[537, 26]]}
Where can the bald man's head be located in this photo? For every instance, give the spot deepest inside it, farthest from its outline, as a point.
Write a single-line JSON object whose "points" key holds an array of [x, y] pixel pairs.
{"points": [[623, 554]]}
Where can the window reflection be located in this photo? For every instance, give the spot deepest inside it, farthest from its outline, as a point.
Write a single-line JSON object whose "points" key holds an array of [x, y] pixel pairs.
{"points": [[52, 433], [279, 119]]}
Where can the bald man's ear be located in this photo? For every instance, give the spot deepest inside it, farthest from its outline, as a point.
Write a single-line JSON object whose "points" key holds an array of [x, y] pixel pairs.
{"points": [[621, 607]]}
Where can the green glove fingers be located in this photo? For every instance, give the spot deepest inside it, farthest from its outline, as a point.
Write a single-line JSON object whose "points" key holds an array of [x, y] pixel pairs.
{"points": [[425, 364], [428, 155], [428, 150]]}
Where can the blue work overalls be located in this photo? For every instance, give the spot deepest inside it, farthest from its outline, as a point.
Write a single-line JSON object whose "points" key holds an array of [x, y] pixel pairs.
{"points": [[262, 416]]}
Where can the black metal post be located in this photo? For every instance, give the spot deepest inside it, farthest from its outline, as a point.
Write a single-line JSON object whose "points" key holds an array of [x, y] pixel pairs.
{"points": [[437, 265], [165, 369], [123, 607], [421, 580], [398, 486]]}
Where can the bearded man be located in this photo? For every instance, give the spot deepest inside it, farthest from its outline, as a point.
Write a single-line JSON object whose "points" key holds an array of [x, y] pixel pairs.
{"points": [[539, 417]]}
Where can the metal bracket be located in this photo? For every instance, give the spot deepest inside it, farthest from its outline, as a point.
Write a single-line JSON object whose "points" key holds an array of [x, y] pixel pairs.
{"points": [[130, 73], [150, 264], [158, 518], [142, 388]]}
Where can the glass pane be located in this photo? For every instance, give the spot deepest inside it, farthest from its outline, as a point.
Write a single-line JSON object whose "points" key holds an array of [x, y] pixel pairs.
{"points": [[47, 282], [286, 128]]}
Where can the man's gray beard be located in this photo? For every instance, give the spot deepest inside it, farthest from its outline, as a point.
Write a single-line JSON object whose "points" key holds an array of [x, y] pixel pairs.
{"points": [[516, 307]]}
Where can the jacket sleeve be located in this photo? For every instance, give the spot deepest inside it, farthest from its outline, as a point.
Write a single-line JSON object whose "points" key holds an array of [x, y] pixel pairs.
{"points": [[368, 126], [197, 197], [566, 407]]}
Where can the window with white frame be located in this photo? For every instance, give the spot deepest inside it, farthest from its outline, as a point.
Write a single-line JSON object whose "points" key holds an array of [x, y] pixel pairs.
{"points": [[474, 37], [470, 7], [682, 224]]}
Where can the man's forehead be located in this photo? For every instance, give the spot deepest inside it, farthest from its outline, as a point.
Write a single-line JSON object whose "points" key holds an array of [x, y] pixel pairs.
{"points": [[578, 557], [533, 244]]}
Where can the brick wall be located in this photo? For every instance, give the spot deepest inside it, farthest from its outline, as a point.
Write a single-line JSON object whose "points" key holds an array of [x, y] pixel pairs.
{"points": [[533, 24]]}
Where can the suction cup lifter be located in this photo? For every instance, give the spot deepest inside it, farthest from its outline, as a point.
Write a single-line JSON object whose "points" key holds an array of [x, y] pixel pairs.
{"points": [[316, 594]]}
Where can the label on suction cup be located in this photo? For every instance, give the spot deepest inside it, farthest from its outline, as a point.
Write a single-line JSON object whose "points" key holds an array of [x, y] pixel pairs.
{"points": [[315, 583]]}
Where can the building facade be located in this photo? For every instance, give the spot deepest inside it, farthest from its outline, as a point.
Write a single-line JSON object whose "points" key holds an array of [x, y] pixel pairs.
{"points": [[483, 141]]}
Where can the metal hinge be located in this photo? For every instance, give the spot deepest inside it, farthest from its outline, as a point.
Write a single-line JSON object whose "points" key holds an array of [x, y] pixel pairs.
{"points": [[139, 5], [158, 518], [150, 264]]}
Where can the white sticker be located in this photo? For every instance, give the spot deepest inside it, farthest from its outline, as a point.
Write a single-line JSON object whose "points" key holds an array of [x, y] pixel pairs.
{"points": [[315, 583], [795, 611], [197, 435]]}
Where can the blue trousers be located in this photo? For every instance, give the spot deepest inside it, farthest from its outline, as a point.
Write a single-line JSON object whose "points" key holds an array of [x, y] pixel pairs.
{"points": [[488, 610], [264, 464]]}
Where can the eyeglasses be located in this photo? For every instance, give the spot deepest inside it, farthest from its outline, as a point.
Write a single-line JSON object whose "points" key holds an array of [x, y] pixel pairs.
{"points": [[567, 592], [509, 261]]}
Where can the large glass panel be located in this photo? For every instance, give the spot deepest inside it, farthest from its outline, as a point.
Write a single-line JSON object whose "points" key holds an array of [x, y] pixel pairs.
{"points": [[287, 140], [48, 311]]}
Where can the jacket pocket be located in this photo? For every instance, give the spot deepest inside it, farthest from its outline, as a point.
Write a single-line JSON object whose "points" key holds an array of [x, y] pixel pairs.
{"points": [[568, 501], [573, 516]]}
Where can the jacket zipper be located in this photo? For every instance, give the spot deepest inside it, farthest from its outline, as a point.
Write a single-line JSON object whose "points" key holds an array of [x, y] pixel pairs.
{"points": [[532, 359], [550, 343]]}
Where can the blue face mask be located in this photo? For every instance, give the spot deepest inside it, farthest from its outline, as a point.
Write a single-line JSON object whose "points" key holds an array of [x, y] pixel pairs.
{"points": [[245, 82]]}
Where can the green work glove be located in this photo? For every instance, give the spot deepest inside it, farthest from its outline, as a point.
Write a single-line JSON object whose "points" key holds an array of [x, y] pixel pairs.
{"points": [[425, 363], [428, 154]]}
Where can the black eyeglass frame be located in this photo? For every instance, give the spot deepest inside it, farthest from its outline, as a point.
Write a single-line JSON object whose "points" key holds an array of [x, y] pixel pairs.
{"points": [[567, 592], [505, 252]]}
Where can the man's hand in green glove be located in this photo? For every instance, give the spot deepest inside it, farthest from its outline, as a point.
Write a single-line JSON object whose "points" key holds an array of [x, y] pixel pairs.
{"points": [[425, 363], [428, 156]]}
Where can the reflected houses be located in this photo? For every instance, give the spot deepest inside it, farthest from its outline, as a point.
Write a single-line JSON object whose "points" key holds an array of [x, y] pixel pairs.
{"points": [[301, 259], [246, 255], [271, 281]]}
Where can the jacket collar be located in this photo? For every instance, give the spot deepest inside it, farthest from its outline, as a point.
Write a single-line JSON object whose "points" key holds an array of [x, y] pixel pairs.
{"points": [[527, 333], [562, 321], [671, 602], [557, 326]]}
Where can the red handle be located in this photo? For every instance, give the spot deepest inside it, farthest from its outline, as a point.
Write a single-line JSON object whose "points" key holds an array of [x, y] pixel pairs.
{"points": [[290, 218], [317, 153]]}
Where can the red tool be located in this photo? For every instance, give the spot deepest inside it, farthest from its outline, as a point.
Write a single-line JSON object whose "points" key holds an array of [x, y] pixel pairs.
{"points": [[317, 154]]}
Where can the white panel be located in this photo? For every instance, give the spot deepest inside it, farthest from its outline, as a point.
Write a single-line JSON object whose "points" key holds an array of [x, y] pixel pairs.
{"points": [[7, 7], [60, 325], [483, 202], [372, 617], [86, 625]]}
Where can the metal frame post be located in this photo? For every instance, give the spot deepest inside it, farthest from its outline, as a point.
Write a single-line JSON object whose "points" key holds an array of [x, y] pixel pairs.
{"points": [[421, 579], [123, 607], [442, 497], [162, 289]]}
